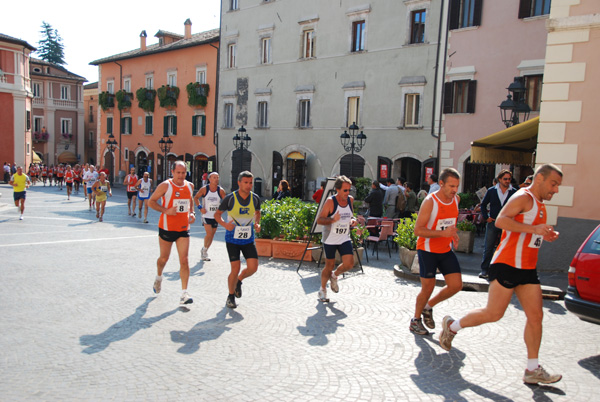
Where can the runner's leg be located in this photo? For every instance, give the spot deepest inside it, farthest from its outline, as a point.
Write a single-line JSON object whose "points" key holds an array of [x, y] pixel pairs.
{"points": [[453, 286], [183, 247], [530, 297]]}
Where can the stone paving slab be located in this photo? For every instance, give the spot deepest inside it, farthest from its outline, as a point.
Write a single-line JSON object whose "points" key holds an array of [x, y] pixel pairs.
{"points": [[80, 322]]}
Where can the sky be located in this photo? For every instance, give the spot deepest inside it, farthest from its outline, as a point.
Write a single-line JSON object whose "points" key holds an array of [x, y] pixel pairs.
{"points": [[93, 30]]}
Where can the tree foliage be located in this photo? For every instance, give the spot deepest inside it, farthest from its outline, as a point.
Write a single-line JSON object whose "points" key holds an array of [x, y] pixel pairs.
{"points": [[50, 47]]}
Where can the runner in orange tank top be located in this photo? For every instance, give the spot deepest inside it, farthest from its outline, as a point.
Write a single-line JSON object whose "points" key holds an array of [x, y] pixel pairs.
{"points": [[436, 230], [177, 213], [513, 269]]}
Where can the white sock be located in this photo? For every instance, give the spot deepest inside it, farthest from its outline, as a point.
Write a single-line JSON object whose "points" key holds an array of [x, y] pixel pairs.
{"points": [[455, 326], [532, 364], [428, 307], [184, 291], [159, 277]]}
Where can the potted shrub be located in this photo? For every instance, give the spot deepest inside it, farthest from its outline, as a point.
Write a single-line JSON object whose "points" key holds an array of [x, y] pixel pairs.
{"points": [[123, 99], [466, 236], [197, 94], [106, 100], [167, 96], [407, 243], [269, 229], [146, 99]]}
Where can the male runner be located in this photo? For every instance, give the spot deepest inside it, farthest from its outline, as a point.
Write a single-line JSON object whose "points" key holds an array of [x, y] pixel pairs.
{"points": [[76, 177], [513, 269], [337, 218], [60, 174], [144, 186], [243, 219], [177, 212], [44, 174], [213, 194], [69, 178], [20, 183], [436, 230], [89, 179], [101, 189], [84, 171], [51, 175], [130, 181]]}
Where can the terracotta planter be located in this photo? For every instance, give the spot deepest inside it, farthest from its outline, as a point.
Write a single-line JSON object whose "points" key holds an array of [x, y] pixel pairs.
{"points": [[290, 250], [409, 259], [263, 247], [466, 241]]}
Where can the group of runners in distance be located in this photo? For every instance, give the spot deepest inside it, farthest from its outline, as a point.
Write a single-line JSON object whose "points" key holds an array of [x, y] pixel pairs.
{"points": [[512, 270]]}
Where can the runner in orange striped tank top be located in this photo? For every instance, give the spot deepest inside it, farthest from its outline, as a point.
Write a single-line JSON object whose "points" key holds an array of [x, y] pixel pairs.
{"points": [[436, 231], [177, 213], [513, 269]]}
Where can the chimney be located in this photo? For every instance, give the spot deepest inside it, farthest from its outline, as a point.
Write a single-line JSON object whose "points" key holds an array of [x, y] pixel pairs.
{"points": [[188, 29], [143, 36]]}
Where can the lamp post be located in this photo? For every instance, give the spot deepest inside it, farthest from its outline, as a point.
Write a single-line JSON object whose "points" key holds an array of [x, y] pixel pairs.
{"points": [[241, 139], [353, 142], [165, 144], [514, 109], [111, 144]]}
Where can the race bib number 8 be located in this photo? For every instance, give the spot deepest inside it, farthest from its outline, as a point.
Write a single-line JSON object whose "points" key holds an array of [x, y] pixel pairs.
{"points": [[242, 232], [444, 224], [183, 206]]}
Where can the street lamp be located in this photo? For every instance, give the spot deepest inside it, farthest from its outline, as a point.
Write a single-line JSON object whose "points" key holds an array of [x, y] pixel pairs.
{"points": [[353, 143], [241, 139], [165, 144], [514, 109]]}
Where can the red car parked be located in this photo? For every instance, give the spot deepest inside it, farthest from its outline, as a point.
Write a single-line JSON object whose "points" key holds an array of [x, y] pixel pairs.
{"points": [[583, 293]]}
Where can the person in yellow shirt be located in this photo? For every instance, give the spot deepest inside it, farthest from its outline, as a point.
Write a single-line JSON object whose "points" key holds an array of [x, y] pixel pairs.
{"points": [[102, 189], [20, 183]]}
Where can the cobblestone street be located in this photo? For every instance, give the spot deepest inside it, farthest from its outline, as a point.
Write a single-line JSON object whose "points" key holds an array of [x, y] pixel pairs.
{"points": [[80, 322]]}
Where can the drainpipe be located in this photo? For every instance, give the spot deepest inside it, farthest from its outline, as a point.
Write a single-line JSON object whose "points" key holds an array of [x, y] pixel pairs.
{"points": [[435, 83], [215, 133], [120, 128]]}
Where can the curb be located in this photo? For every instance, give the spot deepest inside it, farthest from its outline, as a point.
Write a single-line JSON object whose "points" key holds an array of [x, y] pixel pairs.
{"points": [[474, 284]]}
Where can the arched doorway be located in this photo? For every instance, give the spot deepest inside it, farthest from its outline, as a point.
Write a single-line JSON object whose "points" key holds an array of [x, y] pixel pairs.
{"points": [[296, 172], [477, 175], [352, 167], [109, 162], [200, 166], [410, 169], [141, 163]]}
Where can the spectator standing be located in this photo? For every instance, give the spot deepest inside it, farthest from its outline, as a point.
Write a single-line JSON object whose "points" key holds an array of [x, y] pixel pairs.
{"points": [[375, 200], [432, 180], [285, 190], [389, 199], [411, 200], [319, 193]]}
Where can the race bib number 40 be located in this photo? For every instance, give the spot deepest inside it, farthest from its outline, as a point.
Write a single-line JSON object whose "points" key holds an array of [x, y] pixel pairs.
{"points": [[242, 232], [183, 206], [444, 224]]}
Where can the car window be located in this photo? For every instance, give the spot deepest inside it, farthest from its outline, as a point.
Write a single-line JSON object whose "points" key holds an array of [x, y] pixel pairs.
{"points": [[593, 244]]}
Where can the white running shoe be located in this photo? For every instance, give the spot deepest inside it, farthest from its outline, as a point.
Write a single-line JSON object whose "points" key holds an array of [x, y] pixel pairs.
{"points": [[322, 294], [204, 254], [186, 299], [333, 282], [157, 285], [21, 218]]}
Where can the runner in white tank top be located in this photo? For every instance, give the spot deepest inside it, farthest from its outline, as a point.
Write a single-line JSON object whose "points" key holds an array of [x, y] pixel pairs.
{"points": [[212, 194]]}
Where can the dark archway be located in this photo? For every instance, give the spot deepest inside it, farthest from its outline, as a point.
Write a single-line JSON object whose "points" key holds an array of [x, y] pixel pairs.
{"points": [[352, 168]]}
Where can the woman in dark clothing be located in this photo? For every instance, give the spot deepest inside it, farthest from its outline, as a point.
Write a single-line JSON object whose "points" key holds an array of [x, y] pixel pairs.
{"points": [[284, 190]]}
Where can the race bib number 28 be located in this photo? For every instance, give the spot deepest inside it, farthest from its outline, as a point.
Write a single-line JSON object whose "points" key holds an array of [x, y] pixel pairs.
{"points": [[182, 206], [242, 232]]}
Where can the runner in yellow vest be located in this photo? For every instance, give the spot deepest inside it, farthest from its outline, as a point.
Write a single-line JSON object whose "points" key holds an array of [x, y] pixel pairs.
{"points": [[20, 183]]}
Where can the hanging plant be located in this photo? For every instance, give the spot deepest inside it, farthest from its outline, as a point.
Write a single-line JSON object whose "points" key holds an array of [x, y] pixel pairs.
{"points": [[197, 93], [167, 96], [145, 98], [106, 100], [124, 99]]}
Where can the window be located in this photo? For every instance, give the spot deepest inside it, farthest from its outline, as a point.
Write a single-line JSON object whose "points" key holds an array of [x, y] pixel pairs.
{"points": [[411, 110], [64, 92], [231, 48], [201, 75], [262, 120], [37, 90], [91, 114], [358, 36], [149, 123], [233, 5], [265, 51], [149, 82], [126, 153], [304, 113], [65, 126], [534, 8], [308, 44], [228, 120], [533, 93], [199, 125], [127, 84], [126, 125], [459, 96], [109, 125], [110, 87], [465, 13], [172, 78], [91, 139], [353, 111], [417, 26], [38, 123], [28, 122], [170, 125]]}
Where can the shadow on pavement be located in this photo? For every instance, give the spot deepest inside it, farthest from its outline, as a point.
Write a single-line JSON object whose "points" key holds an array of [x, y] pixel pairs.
{"points": [[440, 374], [540, 391], [205, 331], [122, 329], [592, 364], [320, 325]]}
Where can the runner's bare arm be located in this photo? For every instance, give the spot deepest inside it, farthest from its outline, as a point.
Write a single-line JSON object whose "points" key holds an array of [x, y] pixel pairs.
{"points": [[327, 209], [422, 219], [153, 201], [518, 204]]}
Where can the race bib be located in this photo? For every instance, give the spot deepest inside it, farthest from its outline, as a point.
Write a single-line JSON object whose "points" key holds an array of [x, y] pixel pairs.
{"points": [[536, 241], [443, 224], [212, 206], [242, 232], [104, 189], [340, 228], [183, 206]]}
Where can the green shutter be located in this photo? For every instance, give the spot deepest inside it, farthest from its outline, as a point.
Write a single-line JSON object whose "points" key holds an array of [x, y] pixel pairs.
{"points": [[166, 126], [194, 125], [203, 132], [174, 125]]}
